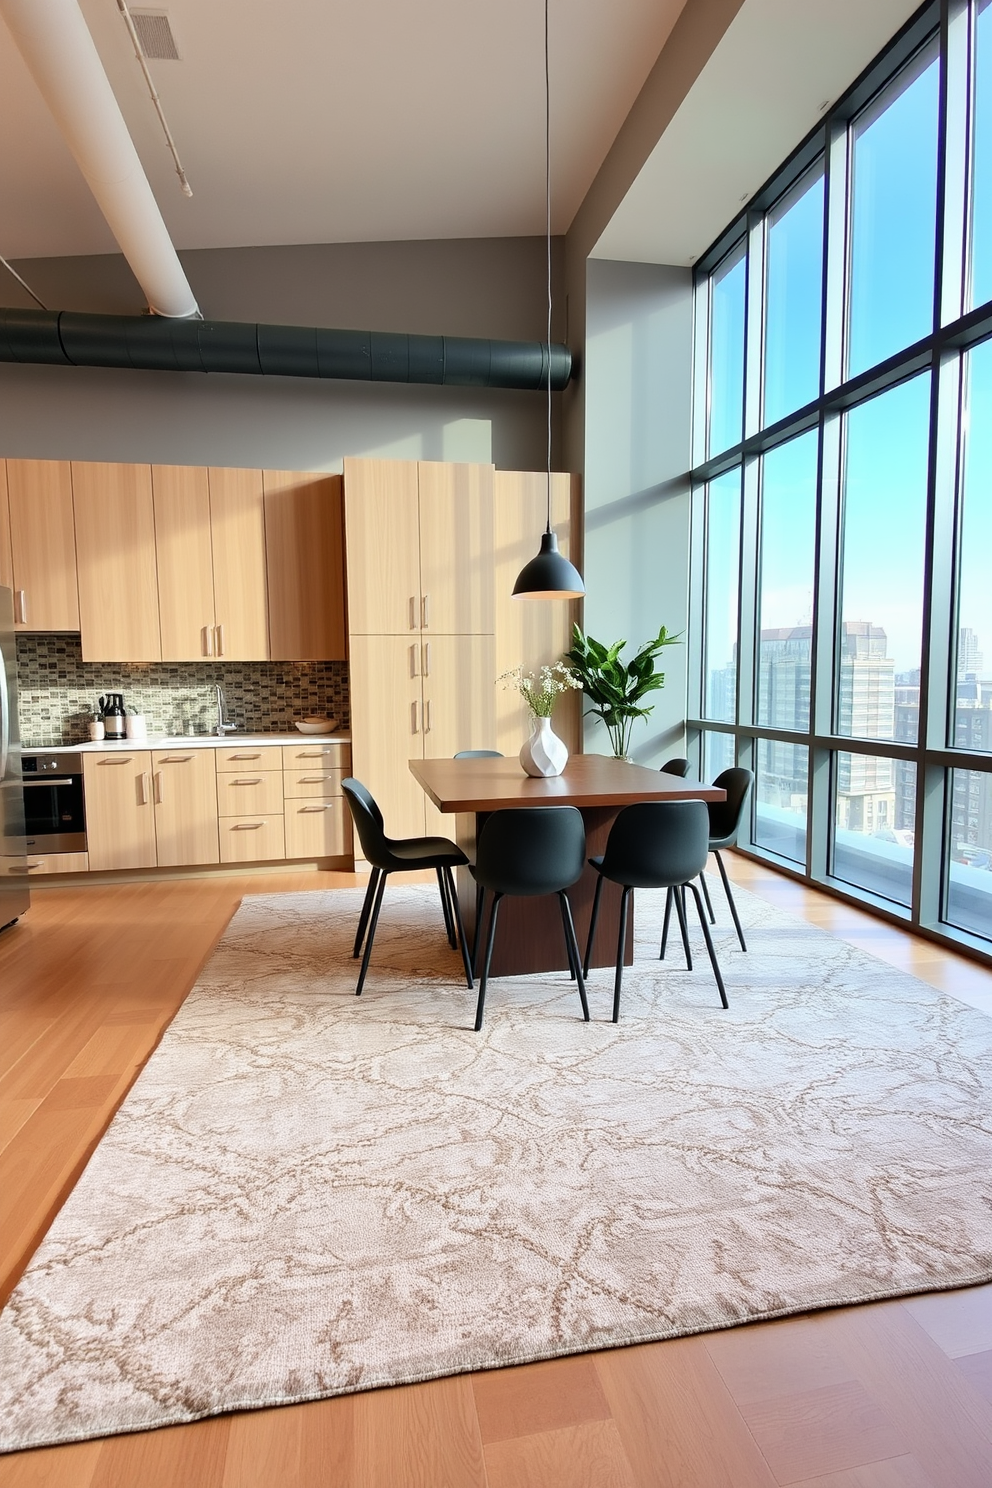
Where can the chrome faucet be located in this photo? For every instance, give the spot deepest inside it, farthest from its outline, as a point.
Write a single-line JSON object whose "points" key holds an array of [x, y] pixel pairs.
{"points": [[222, 727]]}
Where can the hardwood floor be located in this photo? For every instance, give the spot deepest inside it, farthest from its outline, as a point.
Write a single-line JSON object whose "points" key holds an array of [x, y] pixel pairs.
{"points": [[891, 1395]]}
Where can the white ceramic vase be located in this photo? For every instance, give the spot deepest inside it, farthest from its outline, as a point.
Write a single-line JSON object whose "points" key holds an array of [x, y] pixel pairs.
{"points": [[544, 753]]}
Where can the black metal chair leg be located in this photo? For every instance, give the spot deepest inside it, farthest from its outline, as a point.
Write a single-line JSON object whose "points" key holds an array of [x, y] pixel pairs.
{"points": [[621, 944], [480, 904], [568, 946], [371, 934], [449, 923], [709, 945], [363, 918], [679, 900], [572, 949], [730, 900], [706, 894], [456, 910], [664, 928], [592, 923], [484, 981]]}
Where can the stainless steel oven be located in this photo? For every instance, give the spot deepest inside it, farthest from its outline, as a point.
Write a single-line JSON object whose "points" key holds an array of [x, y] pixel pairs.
{"points": [[54, 816]]}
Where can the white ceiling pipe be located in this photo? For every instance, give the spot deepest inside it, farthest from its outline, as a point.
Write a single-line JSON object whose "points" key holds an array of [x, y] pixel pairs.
{"points": [[55, 42]]}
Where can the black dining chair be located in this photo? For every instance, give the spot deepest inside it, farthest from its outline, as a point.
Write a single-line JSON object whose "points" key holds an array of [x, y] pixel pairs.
{"points": [[478, 754], [680, 767], [725, 823], [529, 851], [655, 845], [401, 855]]}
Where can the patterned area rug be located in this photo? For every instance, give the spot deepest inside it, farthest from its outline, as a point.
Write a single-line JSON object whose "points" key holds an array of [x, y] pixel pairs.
{"points": [[307, 1194]]}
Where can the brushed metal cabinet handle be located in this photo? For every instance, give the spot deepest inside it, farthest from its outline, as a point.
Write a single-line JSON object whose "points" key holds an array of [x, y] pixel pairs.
{"points": [[255, 780], [158, 787], [413, 661], [176, 759], [413, 718], [413, 612], [425, 612], [244, 756], [219, 631], [247, 826], [324, 806], [126, 760], [22, 607], [207, 640], [143, 787], [427, 658], [427, 716]]}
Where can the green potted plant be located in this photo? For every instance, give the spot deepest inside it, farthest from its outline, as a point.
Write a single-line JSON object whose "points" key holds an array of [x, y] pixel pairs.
{"points": [[616, 688]]}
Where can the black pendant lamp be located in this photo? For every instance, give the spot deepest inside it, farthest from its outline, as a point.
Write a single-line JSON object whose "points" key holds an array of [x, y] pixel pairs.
{"points": [[549, 575]]}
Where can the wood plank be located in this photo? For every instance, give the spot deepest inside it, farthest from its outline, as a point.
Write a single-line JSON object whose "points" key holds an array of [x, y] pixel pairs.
{"points": [[894, 1472], [456, 537], [586, 1456], [71, 1466], [533, 1398], [806, 1433], [43, 543], [191, 1456], [418, 1436], [588, 780]]}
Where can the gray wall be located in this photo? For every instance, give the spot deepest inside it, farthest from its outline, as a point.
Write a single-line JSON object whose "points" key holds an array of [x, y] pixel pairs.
{"points": [[638, 359], [488, 287]]}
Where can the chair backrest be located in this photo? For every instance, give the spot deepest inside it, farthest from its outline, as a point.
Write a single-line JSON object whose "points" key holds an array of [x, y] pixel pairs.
{"points": [[725, 816], [531, 850], [654, 844], [478, 754], [368, 822], [680, 767]]}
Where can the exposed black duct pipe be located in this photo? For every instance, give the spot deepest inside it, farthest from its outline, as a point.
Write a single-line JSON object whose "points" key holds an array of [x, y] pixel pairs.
{"points": [[155, 343]]}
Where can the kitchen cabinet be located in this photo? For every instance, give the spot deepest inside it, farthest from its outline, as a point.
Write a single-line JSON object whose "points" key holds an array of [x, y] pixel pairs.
{"points": [[458, 704], [318, 828], [42, 545], [252, 839], [184, 789], [210, 553], [304, 547], [115, 548], [120, 812], [420, 547], [71, 862], [386, 726], [531, 633], [6, 560]]}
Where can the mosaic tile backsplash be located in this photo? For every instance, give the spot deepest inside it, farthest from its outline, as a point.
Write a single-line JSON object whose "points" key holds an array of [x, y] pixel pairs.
{"points": [[58, 692]]}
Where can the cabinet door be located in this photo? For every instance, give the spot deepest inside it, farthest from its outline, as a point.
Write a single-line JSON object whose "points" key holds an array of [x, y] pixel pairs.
{"points": [[456, 548], [6, 561], [120, 816], [382, 521], [118, 579], [459, 705], [386, 727], [185, 561], [237, 525], [43, 545], [531, 633], [318, 828], [304, 546], [185, 792]]}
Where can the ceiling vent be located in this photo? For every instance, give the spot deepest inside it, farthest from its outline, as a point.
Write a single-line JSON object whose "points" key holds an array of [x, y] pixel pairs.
{"points": [[155, 34]]}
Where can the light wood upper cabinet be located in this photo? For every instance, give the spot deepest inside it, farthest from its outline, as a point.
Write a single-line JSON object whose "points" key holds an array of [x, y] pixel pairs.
{"points": [[115, 546], [184, 788], [210, 543], [531, 633], [382, 517], [120, 814], [184, 553], [304, 545], [6, 561], [456, 548], [42, 543], [237, 527]]}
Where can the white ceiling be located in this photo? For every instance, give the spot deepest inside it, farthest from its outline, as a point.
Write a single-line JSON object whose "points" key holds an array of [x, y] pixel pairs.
{"points": [[761, 92], [321, 121]]}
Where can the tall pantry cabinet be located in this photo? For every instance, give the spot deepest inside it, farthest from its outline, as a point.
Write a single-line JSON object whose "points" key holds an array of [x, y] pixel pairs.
{"points": [[420, 546]]}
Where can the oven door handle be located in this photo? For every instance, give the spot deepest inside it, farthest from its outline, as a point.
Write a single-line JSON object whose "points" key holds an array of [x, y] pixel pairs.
{"points": [[46, 780]]}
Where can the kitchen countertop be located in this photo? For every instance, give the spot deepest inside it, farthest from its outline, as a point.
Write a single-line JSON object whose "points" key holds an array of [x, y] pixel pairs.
{"points": [[194, 741]]}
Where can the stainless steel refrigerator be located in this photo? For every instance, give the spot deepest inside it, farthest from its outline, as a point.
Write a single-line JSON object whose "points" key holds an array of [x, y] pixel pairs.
{"points": [[14, 896]]}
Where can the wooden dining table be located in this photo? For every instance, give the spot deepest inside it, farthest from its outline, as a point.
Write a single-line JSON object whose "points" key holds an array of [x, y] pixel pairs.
{"points": [[530, 936]]}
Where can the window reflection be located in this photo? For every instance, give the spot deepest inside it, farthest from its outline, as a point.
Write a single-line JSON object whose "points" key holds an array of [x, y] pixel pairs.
{"points": [[877, 682], [894, 203], [874, 824], [972, 714], [727, 352], [780, 799], [723, 545], [785, 605], [968, 852], [793, 298]]}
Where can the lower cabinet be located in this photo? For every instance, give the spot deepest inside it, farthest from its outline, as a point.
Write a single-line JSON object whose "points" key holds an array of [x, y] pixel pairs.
{"points": [[120, 810], [251, 839], [71, 862], [184, 787]]}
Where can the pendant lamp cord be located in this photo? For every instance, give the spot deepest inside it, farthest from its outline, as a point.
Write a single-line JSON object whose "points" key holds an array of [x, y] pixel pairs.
{"points": [[547, 193]]}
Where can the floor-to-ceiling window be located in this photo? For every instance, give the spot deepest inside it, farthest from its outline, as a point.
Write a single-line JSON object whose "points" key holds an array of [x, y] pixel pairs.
{"points": [[842, 496]]}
